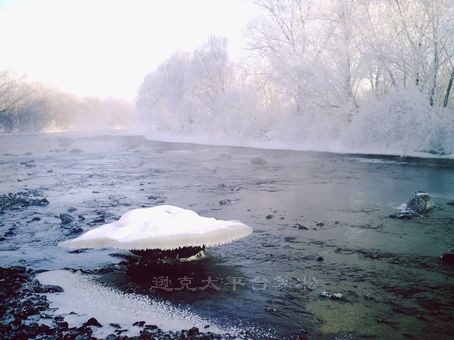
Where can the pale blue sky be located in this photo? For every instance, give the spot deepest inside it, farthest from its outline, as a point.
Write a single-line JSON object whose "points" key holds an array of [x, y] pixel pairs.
{"points": [[106, 47]]}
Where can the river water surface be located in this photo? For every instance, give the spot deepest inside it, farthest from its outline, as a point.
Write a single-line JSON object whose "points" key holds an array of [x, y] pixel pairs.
{"points": [[320, 223]]}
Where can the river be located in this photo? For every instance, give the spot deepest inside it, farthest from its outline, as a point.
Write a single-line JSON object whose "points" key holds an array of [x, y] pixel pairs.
{"points": [[321, 222]]}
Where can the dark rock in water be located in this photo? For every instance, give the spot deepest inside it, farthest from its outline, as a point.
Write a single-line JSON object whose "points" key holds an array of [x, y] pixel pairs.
{"points": [[269, 217], [29, 164], [405, 214], [151, 327], [150, 335], [83, 333], [156, 199], [418, 204], [155, 256], [228, 201], [258, 161], [48, 289], [320, 258], [193, 331], [270, 310], [300, 226], [448, 256], [369, 297], [334, 296], [450, 203], [373, 255], [97, 220], [139, 323], [76, 230], [114, 325], [35, 219], [61, 323], [291, 239], [43, 201], [71, 209], [92, 322], [10, 232], [111, 337], [77, 251], [66, 218]]}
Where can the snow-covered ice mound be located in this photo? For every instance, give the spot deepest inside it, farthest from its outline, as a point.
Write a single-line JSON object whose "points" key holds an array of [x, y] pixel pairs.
{"points": [[163, 227]]}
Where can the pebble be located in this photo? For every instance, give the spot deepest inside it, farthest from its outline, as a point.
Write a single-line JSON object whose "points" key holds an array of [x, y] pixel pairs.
{"points": [[228, 201], [334, 296], [300, 226], [92, 322], [66, 219]]}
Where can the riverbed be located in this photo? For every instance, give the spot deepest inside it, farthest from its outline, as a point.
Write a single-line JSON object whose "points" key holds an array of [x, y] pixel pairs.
{"points": [[321, 223]]}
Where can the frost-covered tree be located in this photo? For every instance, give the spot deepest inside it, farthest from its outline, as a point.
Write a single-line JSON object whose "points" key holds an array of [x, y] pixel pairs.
{"points": [[357, 72], [411, 42], [279, 42], [12, 92], [211, 72], [200, 92], [162, 98], [338, 49]]}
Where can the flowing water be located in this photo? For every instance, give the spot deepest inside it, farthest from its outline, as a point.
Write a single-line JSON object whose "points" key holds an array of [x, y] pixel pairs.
{"points": [[320, 223]]}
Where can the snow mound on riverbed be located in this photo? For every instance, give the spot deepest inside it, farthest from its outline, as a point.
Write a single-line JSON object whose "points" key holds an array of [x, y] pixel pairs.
{"points": [[83, 298], [163, 227]]}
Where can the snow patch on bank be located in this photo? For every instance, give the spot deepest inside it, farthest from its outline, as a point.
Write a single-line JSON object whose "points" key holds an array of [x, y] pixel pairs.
{"points": [[278, 143], [83, 298]]}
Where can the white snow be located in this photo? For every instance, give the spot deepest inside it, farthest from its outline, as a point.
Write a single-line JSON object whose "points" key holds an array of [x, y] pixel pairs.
{"points": [[82, 299], [280, 142], [163, 227]]}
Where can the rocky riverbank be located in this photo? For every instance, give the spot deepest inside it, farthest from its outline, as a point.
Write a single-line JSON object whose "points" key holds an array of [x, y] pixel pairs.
{"points": [[25, 314]]}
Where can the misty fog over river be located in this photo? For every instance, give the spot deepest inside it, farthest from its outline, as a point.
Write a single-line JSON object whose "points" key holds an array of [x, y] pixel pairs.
{"points": [[321, 222]]}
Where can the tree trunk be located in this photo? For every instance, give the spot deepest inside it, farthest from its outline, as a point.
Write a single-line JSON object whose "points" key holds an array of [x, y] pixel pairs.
{"points": [[448, 90], [435, 75]]}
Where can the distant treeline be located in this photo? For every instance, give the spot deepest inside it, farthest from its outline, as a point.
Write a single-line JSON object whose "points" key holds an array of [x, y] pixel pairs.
{"points": [[27, 107]]}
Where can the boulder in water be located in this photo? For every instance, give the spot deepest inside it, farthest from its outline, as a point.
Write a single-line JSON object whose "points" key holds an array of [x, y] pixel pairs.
{"points": [[448, 256], [418, 204], [66, 219]]}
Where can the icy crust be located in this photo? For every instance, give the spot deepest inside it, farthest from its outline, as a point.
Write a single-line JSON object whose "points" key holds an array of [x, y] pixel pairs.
{"points": [[163, 227], [83, 298]]}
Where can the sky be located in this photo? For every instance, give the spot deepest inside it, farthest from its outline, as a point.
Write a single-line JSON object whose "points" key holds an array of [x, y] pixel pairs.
{"points": [[106, 47]]}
